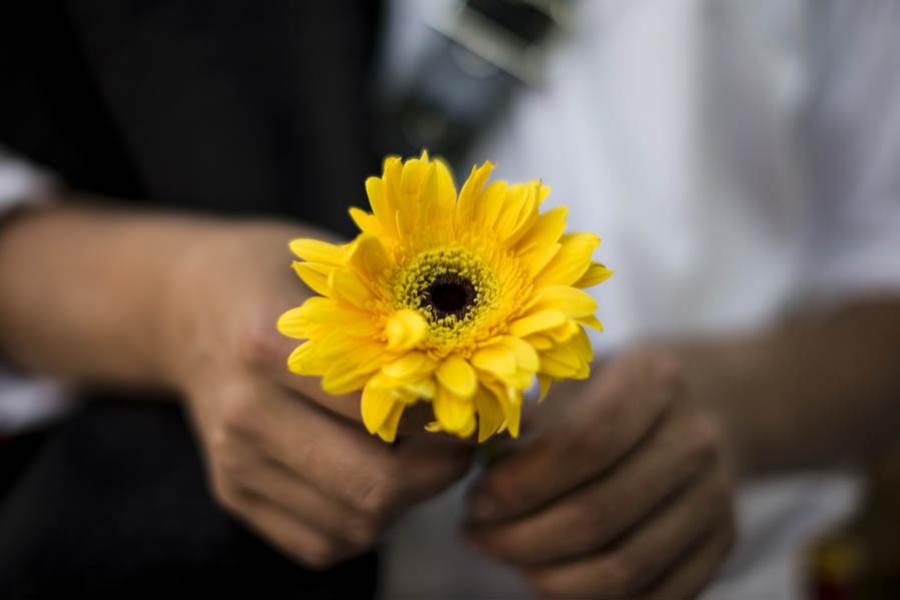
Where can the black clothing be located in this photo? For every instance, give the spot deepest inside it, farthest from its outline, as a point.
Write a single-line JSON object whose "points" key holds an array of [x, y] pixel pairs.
{"points": [[242, 108]]}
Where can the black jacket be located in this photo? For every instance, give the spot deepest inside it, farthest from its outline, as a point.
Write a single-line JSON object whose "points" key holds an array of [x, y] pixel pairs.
{"points": [[235, 107]]}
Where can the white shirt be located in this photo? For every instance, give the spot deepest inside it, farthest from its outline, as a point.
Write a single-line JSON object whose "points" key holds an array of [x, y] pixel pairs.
{"points": [[739, 160], [24, 402]]}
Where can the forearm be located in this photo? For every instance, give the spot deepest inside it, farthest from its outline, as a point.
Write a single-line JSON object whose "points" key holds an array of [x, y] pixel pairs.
{"points": [[807, 393], [84, 291]]}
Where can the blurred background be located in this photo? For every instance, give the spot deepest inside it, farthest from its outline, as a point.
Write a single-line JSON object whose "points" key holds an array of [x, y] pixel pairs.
{"points": [[740, 161]]}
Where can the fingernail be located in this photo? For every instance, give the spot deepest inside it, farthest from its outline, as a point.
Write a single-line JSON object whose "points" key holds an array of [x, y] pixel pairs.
{"points": [[483, 507]]}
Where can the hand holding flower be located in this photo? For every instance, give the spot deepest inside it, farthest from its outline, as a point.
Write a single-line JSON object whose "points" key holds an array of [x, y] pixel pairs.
{"points": [[459, 301], [624, 491], [307, 478]]}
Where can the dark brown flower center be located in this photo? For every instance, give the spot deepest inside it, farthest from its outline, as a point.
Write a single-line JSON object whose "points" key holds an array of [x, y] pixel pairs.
{"points": [[449, 294]]}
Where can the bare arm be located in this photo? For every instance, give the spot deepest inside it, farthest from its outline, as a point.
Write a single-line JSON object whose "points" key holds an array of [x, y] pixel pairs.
{"points": [[92, 294], [84, 290], [627, 488], [806, 393]]}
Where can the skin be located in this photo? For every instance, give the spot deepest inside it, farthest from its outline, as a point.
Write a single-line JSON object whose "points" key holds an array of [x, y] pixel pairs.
{"points": [[189, 305], [624, 487], [621, 486]]}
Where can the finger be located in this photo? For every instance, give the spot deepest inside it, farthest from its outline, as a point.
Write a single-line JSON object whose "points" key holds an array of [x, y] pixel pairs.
{"points": [[602, 424], [293, 537], [593, 516], [342, 461], [266, 352], [333, 518], [640, 558], [347, 406], [694, 573]]}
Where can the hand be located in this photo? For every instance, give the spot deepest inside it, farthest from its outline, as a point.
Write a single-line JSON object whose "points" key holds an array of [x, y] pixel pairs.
{"points": [[309, 480], [627, 493]]}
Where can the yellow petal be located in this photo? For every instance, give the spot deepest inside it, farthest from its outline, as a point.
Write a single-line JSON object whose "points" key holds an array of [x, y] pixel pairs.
{"points": [[405, 328], [348, 367], [571, 262], [561, 362], [369, 257], [495, 359], [410, 367], [544, 382], [388, 430], [293, 324], [342, 379], [592, 322], [528, 215], [596, 273], [390, 187], [437, 195], [582, 344], [524, 353], [543, 192], [471, 190], [421, 389], [489, 203], [367, 222], [455, 414], [314, 275], [540, 342], [538, 321], [317, 311], [538, 257], [299, 360], [318, 251], [513, 416], [381, 205], [407, 201], [564, 332], [518, 203], [348, 286], [469, 429], [490, 414], [546, 230], [572, 301], [458, 376], [375, 406]]}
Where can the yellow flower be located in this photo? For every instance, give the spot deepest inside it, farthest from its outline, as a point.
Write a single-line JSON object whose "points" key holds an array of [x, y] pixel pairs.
{"points": [[457, 301]]}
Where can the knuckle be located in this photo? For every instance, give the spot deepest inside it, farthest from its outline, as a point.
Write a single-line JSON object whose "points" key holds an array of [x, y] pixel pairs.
{"points": [[655, 370], [377, 496], [621, 574], [258, 344], [505, 489], [543, 585], [324, 554], [365, 531], [721, 491], [225, 453], [593, 525], [223, 493], [240, 414], [704, 438]]}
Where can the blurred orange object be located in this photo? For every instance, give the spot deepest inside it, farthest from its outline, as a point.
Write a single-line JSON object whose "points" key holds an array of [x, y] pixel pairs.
{"points": [[861, 560]]}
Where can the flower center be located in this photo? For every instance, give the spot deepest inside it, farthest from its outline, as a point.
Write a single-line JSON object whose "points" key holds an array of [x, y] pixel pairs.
{"points": [[449, 286], [449, 294]]}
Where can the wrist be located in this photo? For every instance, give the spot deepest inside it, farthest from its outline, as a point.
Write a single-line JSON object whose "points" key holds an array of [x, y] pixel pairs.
{"points": [[183, 297]]}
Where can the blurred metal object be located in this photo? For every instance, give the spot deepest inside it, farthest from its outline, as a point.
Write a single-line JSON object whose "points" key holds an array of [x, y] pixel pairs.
{"points": [[482, 52], [509, 35]]}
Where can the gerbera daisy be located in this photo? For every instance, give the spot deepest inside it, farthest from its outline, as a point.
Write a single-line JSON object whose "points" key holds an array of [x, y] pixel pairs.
{"points": [[462, 302]]}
